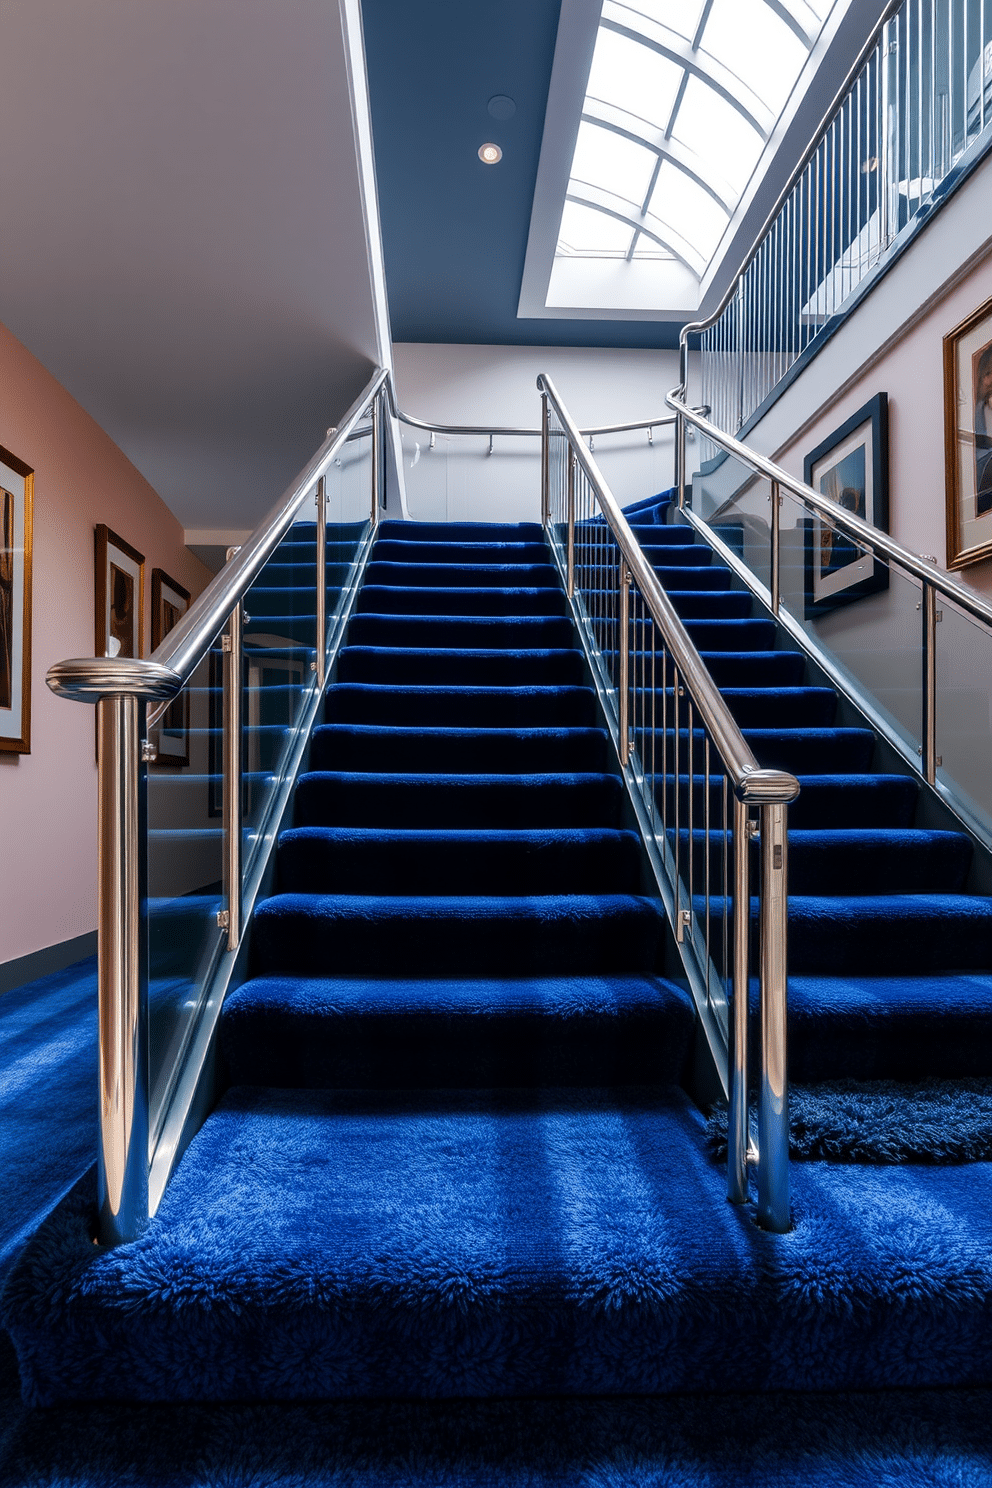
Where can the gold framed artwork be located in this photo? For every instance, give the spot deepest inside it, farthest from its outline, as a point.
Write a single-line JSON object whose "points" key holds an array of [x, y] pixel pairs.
{"points": [[170, 601], [120, 596], [968, 438], [16, 514]]}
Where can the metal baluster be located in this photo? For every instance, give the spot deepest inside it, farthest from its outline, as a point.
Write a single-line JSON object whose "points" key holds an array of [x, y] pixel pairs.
{"points": [[545, 462], [773, 1100], [233, 643], [776, 546], [737, 1133], [929, 730], [122, 1160], [321, 662], [571, 522], [376, 458], [623, 699]]}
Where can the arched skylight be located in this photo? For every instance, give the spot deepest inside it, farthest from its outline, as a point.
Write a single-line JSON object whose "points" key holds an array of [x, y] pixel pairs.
{"points": [[681, 100]]}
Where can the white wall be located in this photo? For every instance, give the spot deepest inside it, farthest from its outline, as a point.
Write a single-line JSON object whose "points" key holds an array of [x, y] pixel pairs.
{"points": [[497, 385]]}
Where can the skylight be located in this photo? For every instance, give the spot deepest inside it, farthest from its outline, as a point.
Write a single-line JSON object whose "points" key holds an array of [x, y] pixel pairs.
{"points": [[682, 98]]}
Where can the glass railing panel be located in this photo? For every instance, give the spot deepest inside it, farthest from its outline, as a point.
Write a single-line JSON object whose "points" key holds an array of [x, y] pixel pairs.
{"points": [[460, 478], [964, 710], [278, 667], [635, 465], [185, 871], [348, 484], [737, 504], [862, 613]]}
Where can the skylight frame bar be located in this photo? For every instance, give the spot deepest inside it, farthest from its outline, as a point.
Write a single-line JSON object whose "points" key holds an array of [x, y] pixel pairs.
{"points": [[795, 25], [712, 73], [631, 222], [671, 150]]}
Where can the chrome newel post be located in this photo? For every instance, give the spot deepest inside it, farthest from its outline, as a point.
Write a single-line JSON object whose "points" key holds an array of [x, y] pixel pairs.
{"points": [[545, 461], [122, 1164], [233, 643], [929, 683], [321, 585], [571, 522], [773, 1101], [776, 574], [376, 458], [680, 460], [623, 699], [737, 1129]]}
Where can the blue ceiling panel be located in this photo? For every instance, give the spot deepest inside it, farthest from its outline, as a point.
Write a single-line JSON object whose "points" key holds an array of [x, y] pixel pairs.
{"points": [[455, 230]]}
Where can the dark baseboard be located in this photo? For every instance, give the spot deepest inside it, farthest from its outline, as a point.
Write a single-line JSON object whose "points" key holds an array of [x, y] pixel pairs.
{"points": [[41, 963]]}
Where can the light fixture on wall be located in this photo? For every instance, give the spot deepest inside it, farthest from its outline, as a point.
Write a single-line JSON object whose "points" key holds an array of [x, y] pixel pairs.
{"points": [[490, 154]]}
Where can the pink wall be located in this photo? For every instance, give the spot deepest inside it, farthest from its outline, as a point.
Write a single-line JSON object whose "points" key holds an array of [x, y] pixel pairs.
{"points": [[48, 797], [911, 372]]}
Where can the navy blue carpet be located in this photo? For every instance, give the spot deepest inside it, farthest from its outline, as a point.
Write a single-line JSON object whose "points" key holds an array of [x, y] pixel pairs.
{"points": [[455, 1218]]}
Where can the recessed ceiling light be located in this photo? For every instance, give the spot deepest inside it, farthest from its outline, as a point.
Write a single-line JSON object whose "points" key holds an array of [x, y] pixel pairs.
{"points": [[490, 154]]}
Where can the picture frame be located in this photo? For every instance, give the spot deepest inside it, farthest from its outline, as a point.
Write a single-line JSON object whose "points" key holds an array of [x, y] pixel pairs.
{"points": [[851, 467], [968, 438], [120, 596], [16, 550], [170, 601]]}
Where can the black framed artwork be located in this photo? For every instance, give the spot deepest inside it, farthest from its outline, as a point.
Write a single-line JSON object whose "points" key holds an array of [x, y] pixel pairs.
{"points": [[850, 467]]}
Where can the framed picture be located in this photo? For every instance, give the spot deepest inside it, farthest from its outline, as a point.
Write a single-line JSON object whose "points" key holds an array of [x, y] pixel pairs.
{"points": [[120, 596], [170, 601], [850, 467], [16, 511], [968, 438]]}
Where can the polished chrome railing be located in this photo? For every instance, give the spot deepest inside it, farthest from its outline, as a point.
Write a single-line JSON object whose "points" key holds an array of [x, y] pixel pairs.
{"points": [[700, 796], [933, 584], [913, 113], [191, 793]]}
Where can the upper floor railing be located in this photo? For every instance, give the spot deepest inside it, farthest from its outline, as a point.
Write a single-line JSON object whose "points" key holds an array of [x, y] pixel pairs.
{"points": [[911, 115], [699, 793]]}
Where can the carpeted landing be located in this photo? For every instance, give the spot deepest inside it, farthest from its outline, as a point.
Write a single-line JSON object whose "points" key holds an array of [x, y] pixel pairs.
{"points": [[454, 1158]]}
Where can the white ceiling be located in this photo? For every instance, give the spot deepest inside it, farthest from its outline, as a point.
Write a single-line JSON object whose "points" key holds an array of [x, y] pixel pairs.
{"points": [[182, 240]]}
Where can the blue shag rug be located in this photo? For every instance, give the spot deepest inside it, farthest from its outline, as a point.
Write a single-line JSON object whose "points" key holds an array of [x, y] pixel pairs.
{"points": [[884, 1122]]}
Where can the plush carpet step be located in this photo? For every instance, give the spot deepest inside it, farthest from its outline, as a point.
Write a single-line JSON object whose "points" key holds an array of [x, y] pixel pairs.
{"points": [[810, 751], [291, 576], [421, 750], [468, 632], [711, 604], [392, 860], [499, 667], [884, 934], [544, 935], [690, 576], [754, 668], [493, 532], [533, 1243], [782, 707], [405, 551], [907, 1027], [290, 599], [677, 553], [525, 1031], [465, 575], [852, 861], [368, 800], [866, 800], [485, 707], [386, 599]]}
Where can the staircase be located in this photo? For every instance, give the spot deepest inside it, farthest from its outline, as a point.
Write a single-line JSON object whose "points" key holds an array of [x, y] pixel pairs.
{"points": [[457, 1155]]}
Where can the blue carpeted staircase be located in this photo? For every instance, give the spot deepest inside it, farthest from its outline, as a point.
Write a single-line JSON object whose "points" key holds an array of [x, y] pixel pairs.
{"points": [[456, 1156]]}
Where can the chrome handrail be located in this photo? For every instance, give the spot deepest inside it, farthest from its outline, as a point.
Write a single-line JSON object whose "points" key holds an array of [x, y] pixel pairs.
{"points": [[665, 420], [770, 791], [933, 581]]}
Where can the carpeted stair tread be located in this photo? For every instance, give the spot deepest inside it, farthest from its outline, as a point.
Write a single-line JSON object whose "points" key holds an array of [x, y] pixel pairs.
{"points": [[485, 707], [348, 798], [463, 575], [864, 800], [388, 550], [395, 860], [753, 668], [781, 707], [409, 599], [548, 934], [450, 1032], [501, 666], [890, 1027], [491, 532], [501, 1244], [417, 749], [468, 632], [800, 751]]}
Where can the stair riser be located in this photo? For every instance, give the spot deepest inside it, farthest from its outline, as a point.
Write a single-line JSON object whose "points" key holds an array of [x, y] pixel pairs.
{"points": [[406, 751], [566, 707], [434, 802]]}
